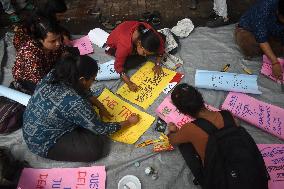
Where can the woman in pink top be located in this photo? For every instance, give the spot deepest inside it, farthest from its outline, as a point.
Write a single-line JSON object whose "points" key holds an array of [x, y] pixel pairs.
{"points": [[134, 38]]}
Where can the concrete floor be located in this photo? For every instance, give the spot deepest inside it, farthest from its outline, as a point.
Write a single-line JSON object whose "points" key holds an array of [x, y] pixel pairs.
{"points": [[83, 15]]}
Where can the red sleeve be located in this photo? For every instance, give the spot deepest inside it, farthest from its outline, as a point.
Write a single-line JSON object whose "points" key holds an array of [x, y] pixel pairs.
{"points": [[20, 38], [120, 57], [28, 66]]}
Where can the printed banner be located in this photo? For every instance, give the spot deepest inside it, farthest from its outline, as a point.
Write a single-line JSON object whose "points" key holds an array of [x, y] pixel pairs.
{"points": [[121, 111], [226, 81], [84, 45], [267, 68], [268, 117], [169, 113], [150, 85], [273, 155], [65, 178]]}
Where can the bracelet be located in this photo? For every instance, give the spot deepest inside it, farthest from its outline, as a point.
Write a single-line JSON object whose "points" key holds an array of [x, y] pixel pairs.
{"points": [[122, 74]]}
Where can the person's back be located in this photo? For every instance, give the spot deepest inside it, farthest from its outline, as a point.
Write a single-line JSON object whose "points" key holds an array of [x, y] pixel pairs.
{"points": [[214, 145]]}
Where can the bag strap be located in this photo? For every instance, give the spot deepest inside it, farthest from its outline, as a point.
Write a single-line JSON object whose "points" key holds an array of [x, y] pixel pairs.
{"points": [[228, 119], [209, 128], [205, 125]]}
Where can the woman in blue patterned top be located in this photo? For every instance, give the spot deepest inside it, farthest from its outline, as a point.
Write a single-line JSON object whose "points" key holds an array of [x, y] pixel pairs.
{"points": [[60, 122], [261, 30]]}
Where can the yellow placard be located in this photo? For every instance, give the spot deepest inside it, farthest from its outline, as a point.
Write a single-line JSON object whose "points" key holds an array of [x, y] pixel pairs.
{"points": [[121, 111], [150, 85]]}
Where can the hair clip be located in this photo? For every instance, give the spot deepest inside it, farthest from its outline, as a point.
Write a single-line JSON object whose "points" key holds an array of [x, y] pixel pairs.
{"points": [[145, 30]]}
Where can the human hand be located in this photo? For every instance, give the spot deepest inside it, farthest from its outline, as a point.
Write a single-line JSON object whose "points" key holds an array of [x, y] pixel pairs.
{"points": [[133, 119], [133, 87], [277, 71], [157, 70], [104, 113], [172, 127]]}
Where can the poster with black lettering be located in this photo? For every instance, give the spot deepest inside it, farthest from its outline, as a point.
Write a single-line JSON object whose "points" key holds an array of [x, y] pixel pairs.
{"points": [[149, 85], [64, 178], [273, 155], [226, 81], [84, 45], [267, 117]]}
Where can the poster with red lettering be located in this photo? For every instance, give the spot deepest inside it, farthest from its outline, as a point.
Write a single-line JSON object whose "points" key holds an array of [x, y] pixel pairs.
{"points": [[63, 178], [273, 155]]}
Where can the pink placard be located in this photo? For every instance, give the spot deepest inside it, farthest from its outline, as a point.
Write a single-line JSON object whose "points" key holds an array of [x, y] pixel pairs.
{"points": [[267, 68], [65, 178], [273, 155], [169, 113], [265, 116], [84, 45]]}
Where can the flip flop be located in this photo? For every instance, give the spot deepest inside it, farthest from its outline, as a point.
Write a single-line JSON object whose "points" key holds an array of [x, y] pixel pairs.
{"points": [[108, 25], [14, 18], [156, 21], [29, 6]]}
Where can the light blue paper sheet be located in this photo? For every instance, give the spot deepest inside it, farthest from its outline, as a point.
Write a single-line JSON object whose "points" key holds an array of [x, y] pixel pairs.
{"points": [[107, 71], [14, 95], [226, 81]]}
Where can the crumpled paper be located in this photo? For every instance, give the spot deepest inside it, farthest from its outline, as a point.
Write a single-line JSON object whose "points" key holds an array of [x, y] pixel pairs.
{"points": [[171, 61], [170, 43], [183, 28]]}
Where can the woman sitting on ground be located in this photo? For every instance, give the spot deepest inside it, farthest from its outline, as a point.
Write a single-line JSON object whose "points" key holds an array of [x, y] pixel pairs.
{"points": [[130, 42], [203, 144], [38, 47], [60, 122], [261, 30]]}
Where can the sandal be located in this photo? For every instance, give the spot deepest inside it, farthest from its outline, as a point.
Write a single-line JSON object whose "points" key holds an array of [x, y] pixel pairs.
{"points": [[156, 18], [29, 6], [108, 25], [156, 21], [14, 18], [147, 16]]}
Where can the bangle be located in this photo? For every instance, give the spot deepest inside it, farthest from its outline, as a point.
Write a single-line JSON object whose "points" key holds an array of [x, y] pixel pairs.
{"points": [[158, 64]]}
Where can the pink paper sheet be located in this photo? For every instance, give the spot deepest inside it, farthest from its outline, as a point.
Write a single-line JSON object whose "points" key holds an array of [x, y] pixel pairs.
{"points": [[65, 178], [169, 113], [268, 117], [273, 155], [84, 45], [267, 68]]}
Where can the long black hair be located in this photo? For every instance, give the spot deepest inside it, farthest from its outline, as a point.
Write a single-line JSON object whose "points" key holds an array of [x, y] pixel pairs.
{"points": [[49, 8], [38, 26], [187, 99], [69, 69], [281, 7], [149, 39]]}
